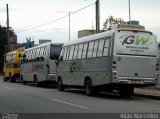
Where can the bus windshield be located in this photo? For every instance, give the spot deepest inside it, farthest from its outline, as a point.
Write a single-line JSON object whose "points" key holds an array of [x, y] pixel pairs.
{"points": [[135, 43]]}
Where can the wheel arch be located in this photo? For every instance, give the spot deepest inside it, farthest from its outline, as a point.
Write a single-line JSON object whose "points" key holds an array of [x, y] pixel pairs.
{"points": [[87, 78], [59, 78]]}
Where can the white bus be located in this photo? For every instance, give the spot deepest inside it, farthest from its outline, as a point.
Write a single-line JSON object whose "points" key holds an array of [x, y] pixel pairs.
{"points": [[38, 63], [119, 59]]}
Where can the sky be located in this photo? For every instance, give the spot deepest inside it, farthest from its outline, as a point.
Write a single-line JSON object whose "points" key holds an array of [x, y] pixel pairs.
{"points": [[43, 19]]}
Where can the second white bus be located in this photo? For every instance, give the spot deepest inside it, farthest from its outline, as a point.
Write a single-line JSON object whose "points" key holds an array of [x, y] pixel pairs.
{"points": [[38, 63]]}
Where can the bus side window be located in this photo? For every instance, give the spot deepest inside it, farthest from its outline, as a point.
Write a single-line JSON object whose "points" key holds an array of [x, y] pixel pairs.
{"points": [[45, 52], [67, 55], [79, 56], [90, 49], [85, 50], [63, 52], [36, 54], [31, 56], [75, 52], [106, 47], [100, 48], [95, 48], [40, 53], [71, 52], [24, 58]]}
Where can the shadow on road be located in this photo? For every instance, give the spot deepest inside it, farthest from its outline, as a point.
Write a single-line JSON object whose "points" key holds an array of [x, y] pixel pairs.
{"points": [[103, 95]]}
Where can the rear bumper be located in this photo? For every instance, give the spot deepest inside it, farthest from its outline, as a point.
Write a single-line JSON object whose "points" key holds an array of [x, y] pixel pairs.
{"points": [[136, 81]]}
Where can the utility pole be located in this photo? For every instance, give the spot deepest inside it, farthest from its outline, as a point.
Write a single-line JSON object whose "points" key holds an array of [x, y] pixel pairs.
{"points": [[69, 26], [8, 33], [129, 11], [97, 16]]}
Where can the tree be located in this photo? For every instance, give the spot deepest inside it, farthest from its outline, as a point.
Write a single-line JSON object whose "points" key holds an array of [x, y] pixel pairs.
{"points": [[111, 22]]}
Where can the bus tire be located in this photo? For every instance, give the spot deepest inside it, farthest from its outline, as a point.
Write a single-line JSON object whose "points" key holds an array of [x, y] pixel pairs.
{"points": [[37, 84], [12, 79], [60, 85], [126, 91], [4, 78], [89, 88], [23, 82]]}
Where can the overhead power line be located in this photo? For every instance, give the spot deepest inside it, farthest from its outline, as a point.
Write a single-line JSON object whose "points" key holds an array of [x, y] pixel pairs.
{"points": [[55, 20]]}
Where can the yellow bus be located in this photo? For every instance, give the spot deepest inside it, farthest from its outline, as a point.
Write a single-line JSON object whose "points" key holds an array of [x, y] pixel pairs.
{"points": [[11, 68]]}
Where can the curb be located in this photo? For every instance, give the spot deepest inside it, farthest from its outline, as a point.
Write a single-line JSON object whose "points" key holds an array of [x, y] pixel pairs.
{"points": [[147, 96]]}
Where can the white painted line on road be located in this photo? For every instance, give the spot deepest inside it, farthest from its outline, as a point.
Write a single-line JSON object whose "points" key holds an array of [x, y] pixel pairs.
{"points": [[60, 101], [8, 88]]}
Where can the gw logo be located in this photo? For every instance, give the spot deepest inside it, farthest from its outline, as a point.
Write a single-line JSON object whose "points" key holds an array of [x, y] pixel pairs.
{"points": [[136, 40]]}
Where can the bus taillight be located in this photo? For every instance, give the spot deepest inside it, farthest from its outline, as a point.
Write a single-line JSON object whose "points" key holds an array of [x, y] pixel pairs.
{"points": [[157, 67], [114, 65], [47, 68], [114, 62]]}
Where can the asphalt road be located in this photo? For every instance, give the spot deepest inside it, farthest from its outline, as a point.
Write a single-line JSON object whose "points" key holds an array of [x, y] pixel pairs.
{"points": [[18, 98]]}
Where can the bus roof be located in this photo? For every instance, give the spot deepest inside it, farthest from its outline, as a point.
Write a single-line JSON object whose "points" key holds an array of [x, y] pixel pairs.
{"points": [[101, 35], [44, 44], [15, 51]]}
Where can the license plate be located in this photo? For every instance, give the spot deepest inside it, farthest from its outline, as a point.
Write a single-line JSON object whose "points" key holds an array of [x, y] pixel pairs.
{"points": [[135, 82]]}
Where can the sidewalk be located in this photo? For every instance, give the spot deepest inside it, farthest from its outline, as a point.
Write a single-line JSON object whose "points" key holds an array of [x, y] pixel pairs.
{"points": [[147, 93]]}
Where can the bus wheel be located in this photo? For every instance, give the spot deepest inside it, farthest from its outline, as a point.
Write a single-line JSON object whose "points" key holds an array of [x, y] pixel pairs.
{"points": [[126, 91], [37, 84], [23, 82], [12, 79], [89, 88], [60, 85], [4, 78]]}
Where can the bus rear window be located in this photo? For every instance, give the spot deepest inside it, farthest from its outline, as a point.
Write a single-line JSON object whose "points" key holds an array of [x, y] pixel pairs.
{"points": [[140, 43], [55, 51]]}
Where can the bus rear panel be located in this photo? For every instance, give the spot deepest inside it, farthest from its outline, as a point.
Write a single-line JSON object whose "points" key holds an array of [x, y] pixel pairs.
{"points": [[135, 58]]}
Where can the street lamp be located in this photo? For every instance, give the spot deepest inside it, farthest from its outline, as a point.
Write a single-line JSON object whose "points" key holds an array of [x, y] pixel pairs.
{"points": [[69, 14]]}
